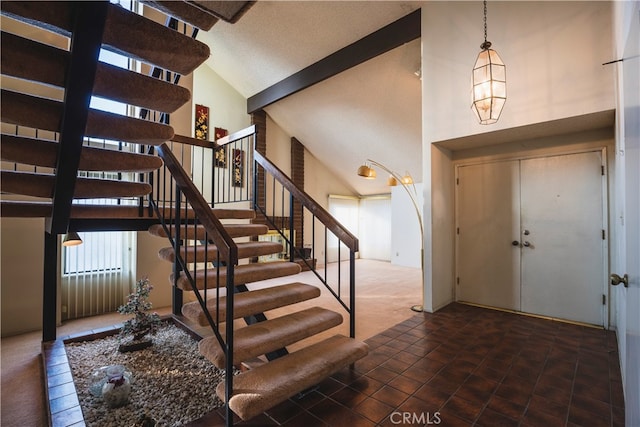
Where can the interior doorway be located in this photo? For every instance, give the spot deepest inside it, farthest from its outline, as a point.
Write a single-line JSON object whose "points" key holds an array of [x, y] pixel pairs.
{"points": [[531, 235]]}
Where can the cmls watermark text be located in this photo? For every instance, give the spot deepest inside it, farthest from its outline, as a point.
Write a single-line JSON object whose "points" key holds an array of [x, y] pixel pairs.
{"points": [[421, 418]]}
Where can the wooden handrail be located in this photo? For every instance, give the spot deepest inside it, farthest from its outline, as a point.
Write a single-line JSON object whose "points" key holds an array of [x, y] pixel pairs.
{"points": [[237, 135], [187, 140], [308, 202], [221, 238]]}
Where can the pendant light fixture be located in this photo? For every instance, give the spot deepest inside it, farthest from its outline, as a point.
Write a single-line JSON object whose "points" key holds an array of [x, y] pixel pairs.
{"points": [[489, 84], [72, 239]]}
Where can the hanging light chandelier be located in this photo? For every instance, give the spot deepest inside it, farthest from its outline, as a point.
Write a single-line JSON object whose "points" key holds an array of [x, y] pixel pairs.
{"points": [[489, 83]]}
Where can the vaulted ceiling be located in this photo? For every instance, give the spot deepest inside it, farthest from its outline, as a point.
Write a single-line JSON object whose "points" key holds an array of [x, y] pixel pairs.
{"points": [[372, 110]]}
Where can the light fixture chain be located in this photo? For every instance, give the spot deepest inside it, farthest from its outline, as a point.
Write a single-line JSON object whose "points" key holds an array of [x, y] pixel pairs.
{"points": [[485, 21]]}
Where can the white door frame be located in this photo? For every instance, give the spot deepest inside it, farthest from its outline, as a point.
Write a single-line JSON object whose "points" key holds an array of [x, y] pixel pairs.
{"points": [[605, 212]]}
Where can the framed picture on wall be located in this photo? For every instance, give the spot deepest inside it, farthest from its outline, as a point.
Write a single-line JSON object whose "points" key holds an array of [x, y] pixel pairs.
{"points": [[237, 168], [202, 122], [221, 152]]}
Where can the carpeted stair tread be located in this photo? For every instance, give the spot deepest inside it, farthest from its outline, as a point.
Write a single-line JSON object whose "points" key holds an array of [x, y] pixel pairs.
{"points": [[252, 302], [42, 185], [17, 209], [265, 386], [245, 273], [209, 253], [46, 114], [185, 12], [229, 11], [199, 233], [125, 32], [270, 335], [30, 60], [37, 152]]}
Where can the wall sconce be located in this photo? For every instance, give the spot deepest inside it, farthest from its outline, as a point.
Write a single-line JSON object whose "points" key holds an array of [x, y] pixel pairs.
{"points": [[71, 239], [367, 172], [489, 82]]}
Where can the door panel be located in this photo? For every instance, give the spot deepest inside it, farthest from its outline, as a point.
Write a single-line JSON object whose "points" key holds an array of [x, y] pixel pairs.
{"points": [[562, 212], [488, 264], [552, 210]]}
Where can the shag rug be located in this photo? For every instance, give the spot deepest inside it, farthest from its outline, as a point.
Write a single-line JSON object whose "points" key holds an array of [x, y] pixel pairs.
{"points": [[172, 383]]}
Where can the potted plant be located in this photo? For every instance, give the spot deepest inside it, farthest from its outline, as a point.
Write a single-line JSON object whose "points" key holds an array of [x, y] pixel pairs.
{"points": [[142, 323]]}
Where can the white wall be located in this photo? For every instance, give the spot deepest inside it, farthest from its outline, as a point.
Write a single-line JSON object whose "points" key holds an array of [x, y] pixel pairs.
{"points": [[625, 247], [406, 244], [375, 228], [553, 53]]}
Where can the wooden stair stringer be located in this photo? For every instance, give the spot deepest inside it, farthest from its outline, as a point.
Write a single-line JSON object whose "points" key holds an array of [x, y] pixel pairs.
{"points": [[252, 302], [265, 386]]}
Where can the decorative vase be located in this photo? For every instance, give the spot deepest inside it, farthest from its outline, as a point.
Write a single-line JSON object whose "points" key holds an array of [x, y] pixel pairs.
{"points": [[117, 387]]}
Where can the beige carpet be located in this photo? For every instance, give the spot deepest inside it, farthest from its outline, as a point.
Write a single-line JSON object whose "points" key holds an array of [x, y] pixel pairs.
{"points": [[384, 292]]}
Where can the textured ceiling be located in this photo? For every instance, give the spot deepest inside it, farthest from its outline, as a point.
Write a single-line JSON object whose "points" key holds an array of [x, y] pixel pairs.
{"points": [[370, 111]]}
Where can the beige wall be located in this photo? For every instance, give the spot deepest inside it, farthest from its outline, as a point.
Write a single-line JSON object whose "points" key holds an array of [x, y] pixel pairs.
{"points": [[21, 276]]}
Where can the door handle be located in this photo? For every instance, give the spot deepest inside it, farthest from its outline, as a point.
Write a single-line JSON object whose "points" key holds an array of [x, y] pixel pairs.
{"points": [[515, 243], [526, 244], [616, 280]]}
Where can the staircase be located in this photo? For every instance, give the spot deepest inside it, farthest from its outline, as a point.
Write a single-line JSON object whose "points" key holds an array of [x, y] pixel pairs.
{"points": [[216, 262], [56, 151], [56, 136]]}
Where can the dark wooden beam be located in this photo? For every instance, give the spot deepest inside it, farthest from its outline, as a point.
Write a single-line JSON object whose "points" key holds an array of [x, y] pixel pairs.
{"points": [[50, 287], [89, 21], [385, 39]]}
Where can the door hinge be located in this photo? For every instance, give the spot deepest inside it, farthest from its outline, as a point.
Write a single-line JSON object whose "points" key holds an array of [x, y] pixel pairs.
{"points": [[604, 236], [457, 230], [604, 299], [457, 181], [457, 280], [602, 170]]}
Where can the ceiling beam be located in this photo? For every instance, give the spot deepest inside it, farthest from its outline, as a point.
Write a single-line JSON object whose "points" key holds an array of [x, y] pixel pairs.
{"points": [[396, 34]]}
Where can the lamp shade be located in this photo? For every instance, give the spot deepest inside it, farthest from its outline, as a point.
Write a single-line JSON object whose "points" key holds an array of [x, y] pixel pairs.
{"points": [[366, 172], [489, 85], [72, 239]]}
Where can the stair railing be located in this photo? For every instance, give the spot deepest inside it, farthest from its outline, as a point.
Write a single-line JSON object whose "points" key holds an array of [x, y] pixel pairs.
{"points": [[190, 223], [318, 241]]}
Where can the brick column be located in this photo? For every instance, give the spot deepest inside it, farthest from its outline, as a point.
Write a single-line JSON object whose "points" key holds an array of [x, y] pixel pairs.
{"points": [[297, 176], [259, 118]]}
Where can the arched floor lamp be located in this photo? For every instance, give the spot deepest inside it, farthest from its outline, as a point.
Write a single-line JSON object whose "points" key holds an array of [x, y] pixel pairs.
{"points": [[367, 172]]}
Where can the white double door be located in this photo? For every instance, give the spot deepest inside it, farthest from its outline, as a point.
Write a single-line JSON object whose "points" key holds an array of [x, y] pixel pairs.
{"points": [[530, 236]]}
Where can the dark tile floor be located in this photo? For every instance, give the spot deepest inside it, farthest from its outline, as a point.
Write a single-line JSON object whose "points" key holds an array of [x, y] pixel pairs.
{"points": [[468, 366]]}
